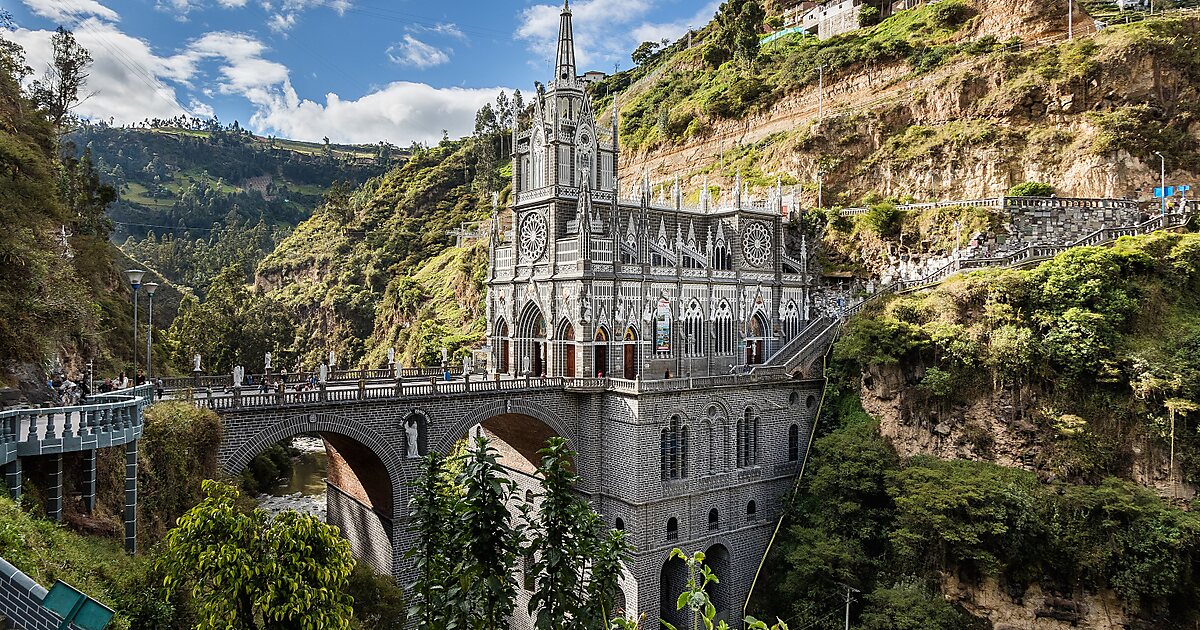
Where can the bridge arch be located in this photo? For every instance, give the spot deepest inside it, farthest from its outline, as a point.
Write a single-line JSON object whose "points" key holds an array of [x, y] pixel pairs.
{"points": [[345, 434], [522, 424]]}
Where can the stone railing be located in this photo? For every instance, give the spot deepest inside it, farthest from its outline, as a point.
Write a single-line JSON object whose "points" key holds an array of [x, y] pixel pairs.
{"points": [[1010, 203], [106, 420], [209, 381], [325, 394]]}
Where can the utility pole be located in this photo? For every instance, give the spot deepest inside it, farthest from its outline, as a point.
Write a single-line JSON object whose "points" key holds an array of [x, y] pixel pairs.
{"points": [[849, 600], [1162, 178], [1070, 19], [820, 190], [821, 92]]}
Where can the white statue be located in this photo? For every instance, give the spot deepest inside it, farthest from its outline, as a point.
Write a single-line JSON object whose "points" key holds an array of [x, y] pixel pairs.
{"points": [[391, 356], [324, 372], [267, 361], [195, 363], [239, 375], [410, 436], [332, 360]]}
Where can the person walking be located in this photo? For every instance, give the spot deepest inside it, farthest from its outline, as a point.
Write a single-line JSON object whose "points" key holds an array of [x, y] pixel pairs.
{"points": [[158, 387]]}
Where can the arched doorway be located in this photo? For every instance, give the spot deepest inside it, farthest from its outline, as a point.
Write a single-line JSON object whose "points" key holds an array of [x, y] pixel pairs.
{"points": [[531, 342], [756, 340], [721, 592], [600, 353], [631, 353], [672, 581], [503, 345], [566, 348]]}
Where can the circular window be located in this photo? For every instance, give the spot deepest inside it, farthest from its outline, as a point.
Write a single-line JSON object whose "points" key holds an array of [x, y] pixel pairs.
{"points": [[756, 244], [533, 236]]}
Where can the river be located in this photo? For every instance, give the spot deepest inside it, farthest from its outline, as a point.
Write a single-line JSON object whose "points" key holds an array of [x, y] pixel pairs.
{"points": [[304, 491]]}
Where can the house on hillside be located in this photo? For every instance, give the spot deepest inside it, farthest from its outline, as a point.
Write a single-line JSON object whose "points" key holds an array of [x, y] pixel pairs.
{"points": [[834, 17]]}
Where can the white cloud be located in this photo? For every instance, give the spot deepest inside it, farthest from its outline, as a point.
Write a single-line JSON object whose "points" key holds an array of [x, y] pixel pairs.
{"points": [[441, 28], [126, 79], [130, 82], [605, 30], [399, 112], [70, 11], [200, 109], [232, 4], [414, 52], [282, 22]]}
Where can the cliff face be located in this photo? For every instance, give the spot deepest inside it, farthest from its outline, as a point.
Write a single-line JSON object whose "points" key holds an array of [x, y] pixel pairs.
{"points": [[1084, 115]]}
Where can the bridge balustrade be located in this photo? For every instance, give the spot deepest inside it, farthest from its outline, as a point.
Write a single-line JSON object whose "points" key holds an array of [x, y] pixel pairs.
{"points": [[108, 420]]}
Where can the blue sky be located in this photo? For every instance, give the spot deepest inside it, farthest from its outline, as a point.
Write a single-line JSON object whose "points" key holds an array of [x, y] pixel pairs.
{"points": [[352, 70]]}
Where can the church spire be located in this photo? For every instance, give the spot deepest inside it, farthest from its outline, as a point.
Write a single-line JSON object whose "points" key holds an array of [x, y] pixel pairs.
{"points": [[565, 66]]}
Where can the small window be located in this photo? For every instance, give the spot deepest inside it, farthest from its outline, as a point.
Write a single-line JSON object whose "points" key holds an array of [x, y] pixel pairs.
{"points": [[672, 529], [793, 443], [714, 519], [811, 402], [794, 398], [529, 496], [620, 524], [751, 511]]}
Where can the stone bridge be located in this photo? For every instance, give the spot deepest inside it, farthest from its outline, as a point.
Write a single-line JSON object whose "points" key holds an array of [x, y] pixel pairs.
{"points": [[700, 463]]}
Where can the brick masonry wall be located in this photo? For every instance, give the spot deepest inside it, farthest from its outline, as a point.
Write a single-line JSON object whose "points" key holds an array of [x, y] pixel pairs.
{"points": [[21, 598], [617, 438], [369, 533]]}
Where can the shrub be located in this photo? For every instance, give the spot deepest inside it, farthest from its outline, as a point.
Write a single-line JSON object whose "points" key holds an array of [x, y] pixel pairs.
{"points": [[1031, 189], [884, 219], [868, 16]]}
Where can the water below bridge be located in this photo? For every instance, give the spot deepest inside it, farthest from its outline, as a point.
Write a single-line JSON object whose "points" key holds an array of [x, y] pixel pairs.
{"points": [[304, 490]]}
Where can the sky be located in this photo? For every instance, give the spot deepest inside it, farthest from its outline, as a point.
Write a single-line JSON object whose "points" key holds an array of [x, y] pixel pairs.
{"points": [[355, 71]]}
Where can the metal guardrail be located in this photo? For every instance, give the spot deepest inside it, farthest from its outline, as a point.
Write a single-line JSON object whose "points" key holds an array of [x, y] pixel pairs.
{"points": [[108, 419]]}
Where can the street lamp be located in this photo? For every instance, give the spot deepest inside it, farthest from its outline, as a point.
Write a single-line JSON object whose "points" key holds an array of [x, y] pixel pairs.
{"points": [[135, 281], [1162, 177], [957, 239], [1070, 19], [150, 287]]}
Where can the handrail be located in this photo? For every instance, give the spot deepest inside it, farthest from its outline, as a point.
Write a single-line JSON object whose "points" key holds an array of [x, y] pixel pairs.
{"points": [[114, 419]]}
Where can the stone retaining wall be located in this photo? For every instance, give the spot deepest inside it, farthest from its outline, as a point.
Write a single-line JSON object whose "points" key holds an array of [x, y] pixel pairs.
{"points": [[21, 600]]}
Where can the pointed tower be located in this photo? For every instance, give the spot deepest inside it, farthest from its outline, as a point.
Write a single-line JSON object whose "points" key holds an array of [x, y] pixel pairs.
{"points": [[565, 66]]}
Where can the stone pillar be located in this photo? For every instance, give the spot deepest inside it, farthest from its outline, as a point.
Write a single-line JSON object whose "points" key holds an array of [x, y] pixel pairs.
{"points": [[54, 488], [14, 478], [131, 484], [89, 480]]}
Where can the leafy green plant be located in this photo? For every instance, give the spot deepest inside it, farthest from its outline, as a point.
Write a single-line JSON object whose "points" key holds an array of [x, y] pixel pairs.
{"points": [[246, 572], [1031, 189]]}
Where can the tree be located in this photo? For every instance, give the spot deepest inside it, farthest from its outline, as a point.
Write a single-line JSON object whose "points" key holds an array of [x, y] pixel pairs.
{"points": [[433, 508], [736, 30], [57, 92], [565, 538], [246, 572], [644, 52], [492, 542]]}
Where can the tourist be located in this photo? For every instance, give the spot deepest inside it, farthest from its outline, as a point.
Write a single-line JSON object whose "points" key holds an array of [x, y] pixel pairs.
{"points": [[158, 387], [141, 377], [123, 381]]}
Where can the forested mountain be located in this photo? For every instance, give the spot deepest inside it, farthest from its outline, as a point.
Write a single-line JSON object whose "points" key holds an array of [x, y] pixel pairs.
{"points": [[193, 197]]}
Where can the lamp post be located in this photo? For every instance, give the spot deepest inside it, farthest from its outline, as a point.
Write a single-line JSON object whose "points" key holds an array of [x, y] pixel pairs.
{"points": [[1162, 179], [135, 281], [821, 92], [957, 239], [150, 287]]}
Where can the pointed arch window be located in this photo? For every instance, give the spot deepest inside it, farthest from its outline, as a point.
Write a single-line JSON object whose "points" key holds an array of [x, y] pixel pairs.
{"points": [[793, 443], [723, 328], [747, 439], [673, 449], [791, 320], [693, 327]]}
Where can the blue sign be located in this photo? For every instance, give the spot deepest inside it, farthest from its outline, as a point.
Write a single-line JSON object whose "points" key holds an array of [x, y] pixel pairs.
{"points": [[1158, 192]]}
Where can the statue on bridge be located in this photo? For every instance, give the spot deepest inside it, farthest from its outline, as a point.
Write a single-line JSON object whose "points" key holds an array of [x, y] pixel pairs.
{"points": [[239, 376], [325, 372], [411, 434], [267, 362], [196, 363], [332, 361]]}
